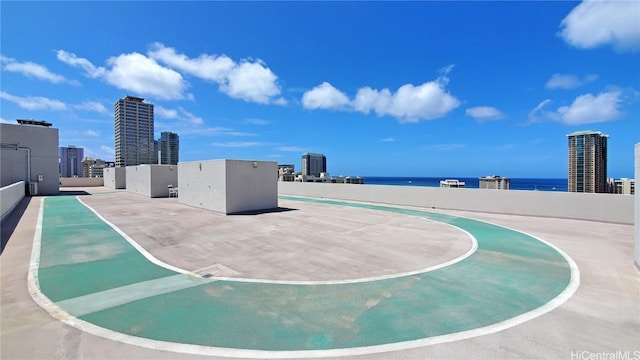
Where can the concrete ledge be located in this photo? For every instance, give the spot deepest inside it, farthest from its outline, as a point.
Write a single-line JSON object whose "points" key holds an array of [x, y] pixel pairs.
{"points": [[596, 207], [10, 197], [81, 182], [115, 177]]}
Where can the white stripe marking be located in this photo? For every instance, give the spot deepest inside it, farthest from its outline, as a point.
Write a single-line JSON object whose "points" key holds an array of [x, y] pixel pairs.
{"points": [[107, 299]]}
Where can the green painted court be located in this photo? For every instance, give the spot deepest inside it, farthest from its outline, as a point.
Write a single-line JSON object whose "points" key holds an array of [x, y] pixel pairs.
{"points": [[92, 273]]}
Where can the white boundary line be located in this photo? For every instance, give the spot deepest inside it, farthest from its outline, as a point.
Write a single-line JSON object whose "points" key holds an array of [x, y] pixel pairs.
{"points": [[145, 253], [137, 246], [56, 312]]}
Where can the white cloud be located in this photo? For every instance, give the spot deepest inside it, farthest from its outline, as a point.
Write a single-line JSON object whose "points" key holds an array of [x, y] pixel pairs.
{"points": [[89, 69], [92, 133], [484, 113], [410, 103], [596, 23], [34, 102], [136, 72], [32, 70], [92, 106], [208, 67], [388, 139], [5, 121], [251, 81], [568, 81], [324, 96], [179, 114], [133, 72], [588, 109], [534, 115]]}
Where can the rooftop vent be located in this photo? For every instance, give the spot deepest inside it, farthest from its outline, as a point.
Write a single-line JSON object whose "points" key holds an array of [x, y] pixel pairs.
{"points": [[34, 122]]}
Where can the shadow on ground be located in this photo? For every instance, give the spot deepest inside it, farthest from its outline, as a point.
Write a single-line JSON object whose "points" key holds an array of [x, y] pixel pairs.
{"points": [[265, 211], [73, 192], [10, 222]]}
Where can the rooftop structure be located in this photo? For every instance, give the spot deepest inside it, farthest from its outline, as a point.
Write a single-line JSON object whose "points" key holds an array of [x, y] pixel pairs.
{"points": [[451, 183], [34, 122]]}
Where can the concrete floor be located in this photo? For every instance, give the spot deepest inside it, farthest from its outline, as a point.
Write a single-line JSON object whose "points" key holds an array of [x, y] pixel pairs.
{"points": [[602, 316]]}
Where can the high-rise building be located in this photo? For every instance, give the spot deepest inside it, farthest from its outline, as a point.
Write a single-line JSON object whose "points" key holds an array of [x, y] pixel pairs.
{"points": [[70, 161], [588, 161], [313, 164], [133, 132], [494, 182], [168, 148]]}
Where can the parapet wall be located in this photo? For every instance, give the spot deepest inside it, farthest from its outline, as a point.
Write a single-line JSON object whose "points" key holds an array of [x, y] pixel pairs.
{"points": [[81, 182], [10, 196], [597, 207]]}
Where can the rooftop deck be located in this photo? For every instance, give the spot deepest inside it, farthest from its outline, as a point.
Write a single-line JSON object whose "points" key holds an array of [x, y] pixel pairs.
{"points": [[319, 243]]}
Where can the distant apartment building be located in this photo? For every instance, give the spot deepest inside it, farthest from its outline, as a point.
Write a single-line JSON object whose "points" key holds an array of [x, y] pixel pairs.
{"points": [[588, 162], [286, 172], [168, 148], [313, 164], [134, 132], [494, 182], [623, 186], [451, 183], [70, 161], [92, 168]]}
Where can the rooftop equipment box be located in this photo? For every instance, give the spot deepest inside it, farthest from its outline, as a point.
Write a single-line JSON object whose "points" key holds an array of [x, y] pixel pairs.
{"points": [[229, 186], [115, 178], [151, 180]]}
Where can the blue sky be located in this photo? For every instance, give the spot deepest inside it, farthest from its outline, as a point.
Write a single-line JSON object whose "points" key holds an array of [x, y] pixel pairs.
{"points": [[389, 89]]}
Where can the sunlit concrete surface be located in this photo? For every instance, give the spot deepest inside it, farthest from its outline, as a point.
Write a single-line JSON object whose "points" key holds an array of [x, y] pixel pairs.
{"points": [[602, 316]]}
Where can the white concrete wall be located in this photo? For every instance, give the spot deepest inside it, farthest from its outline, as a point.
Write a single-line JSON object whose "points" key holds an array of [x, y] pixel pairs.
{"points": [[81, 182], [229, 186], [598, 207], [161, 177], [251, 185], [10, 196], [115, 177], [151, 180], [637, 207], [203, 185], [43, 144]]}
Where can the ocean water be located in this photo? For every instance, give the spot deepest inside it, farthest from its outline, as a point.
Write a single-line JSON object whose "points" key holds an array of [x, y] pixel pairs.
{"points": [[516, 183]]}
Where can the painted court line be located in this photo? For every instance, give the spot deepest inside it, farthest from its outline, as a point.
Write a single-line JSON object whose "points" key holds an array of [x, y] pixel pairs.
{"points": [[106, 299], [62, 314]]}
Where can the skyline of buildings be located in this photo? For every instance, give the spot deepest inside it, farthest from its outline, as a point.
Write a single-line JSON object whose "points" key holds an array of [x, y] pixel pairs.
{"points": [[70, 161], [134, 132], [587, 162]]}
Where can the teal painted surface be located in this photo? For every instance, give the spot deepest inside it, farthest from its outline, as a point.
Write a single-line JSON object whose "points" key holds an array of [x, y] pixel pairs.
{"points": [[80, 254], [510, 273]]}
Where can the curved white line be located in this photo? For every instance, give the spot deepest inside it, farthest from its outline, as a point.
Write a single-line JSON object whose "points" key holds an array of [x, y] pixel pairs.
{"points": [[146, 254], [56, 312], [137, 246]]}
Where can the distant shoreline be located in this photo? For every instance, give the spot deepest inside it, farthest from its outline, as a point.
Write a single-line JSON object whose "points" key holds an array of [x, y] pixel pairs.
{"points": [[540, 184]]}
